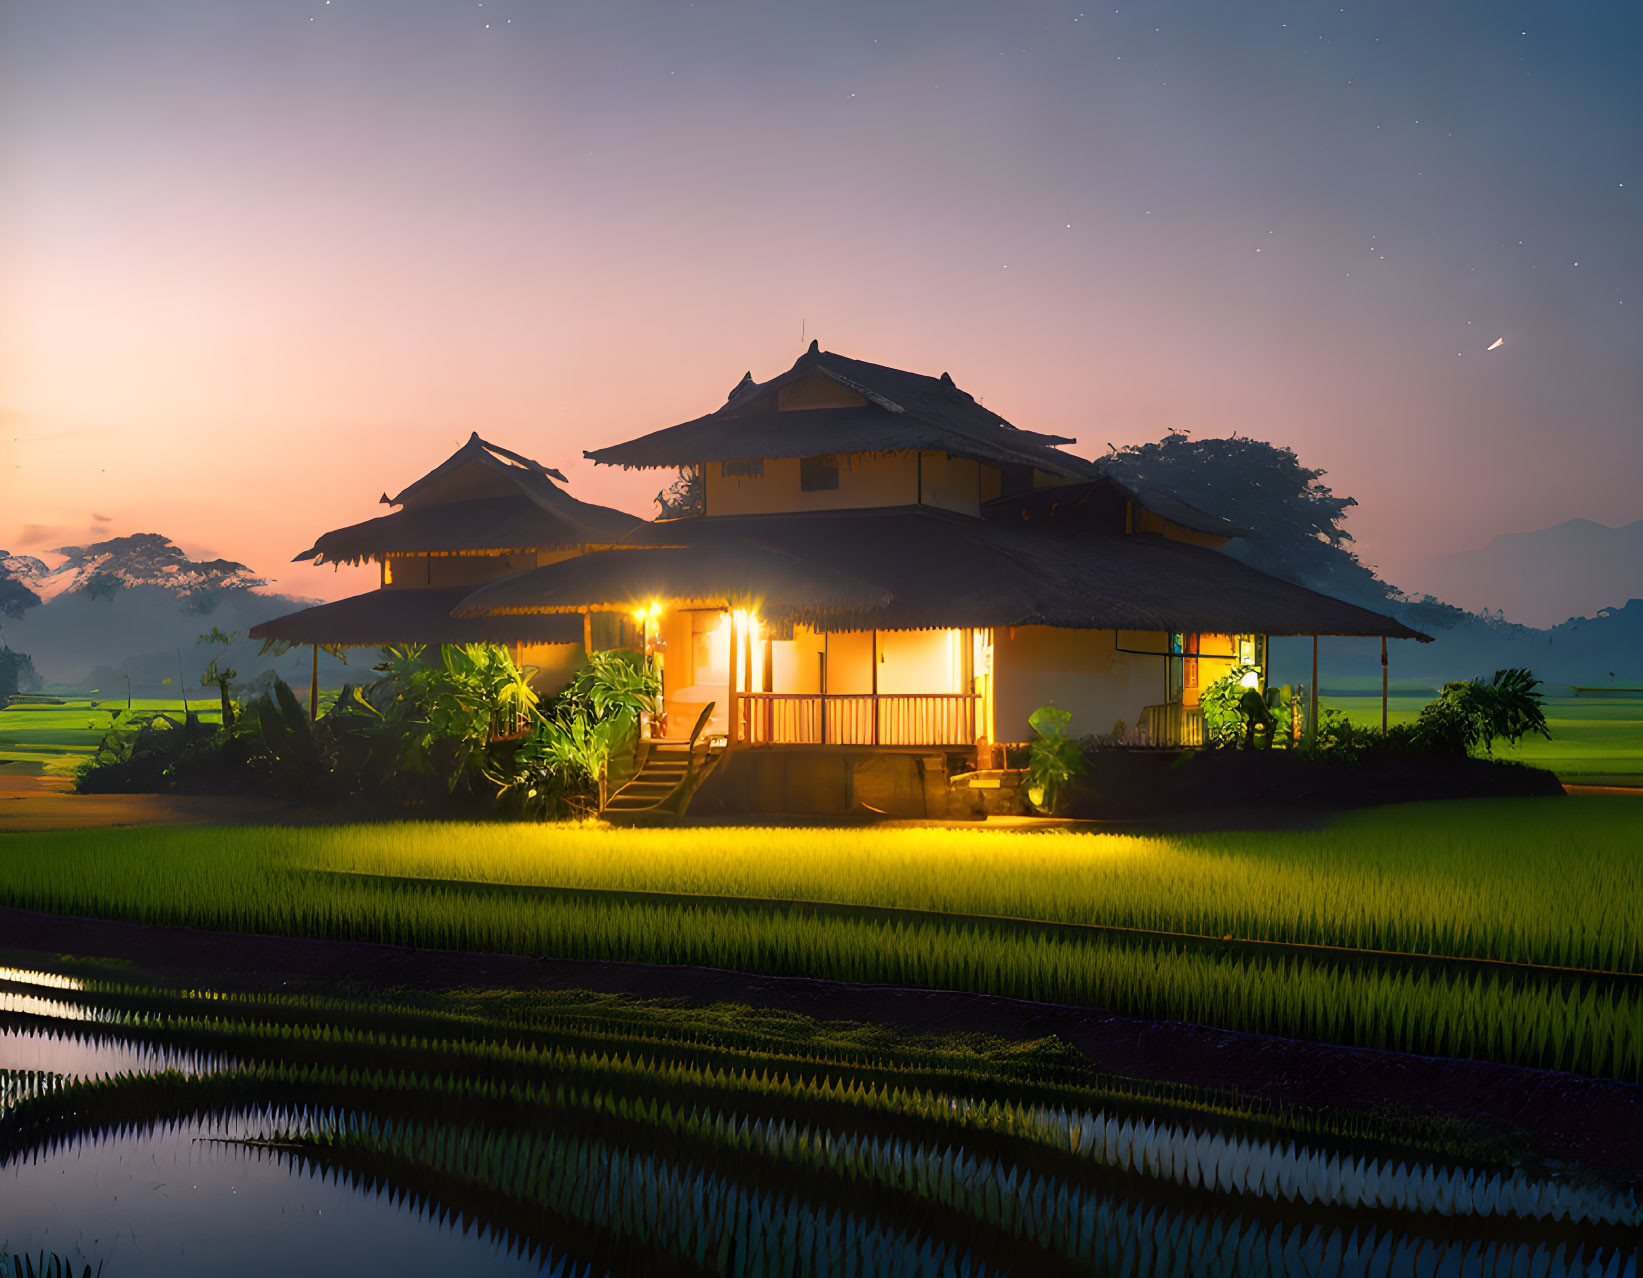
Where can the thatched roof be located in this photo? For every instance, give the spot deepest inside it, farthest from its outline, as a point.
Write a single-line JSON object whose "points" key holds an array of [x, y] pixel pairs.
{"points": [[1097, 505], [941, 569], [476, 452], [396, 615], [521, 509], [905, 411], [734, 574]]}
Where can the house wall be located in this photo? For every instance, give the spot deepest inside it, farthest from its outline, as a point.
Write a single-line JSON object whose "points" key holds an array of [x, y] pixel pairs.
{"points": [[865, 479], [850, 661], [1078, 670], [1216, 655], [556, 664], [921, 661], [412, 571], [796, 662], [1147, 522], [952, 483]]}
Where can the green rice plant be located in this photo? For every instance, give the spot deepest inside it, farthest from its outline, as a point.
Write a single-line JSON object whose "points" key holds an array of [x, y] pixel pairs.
{"points": [[1181, 928]]}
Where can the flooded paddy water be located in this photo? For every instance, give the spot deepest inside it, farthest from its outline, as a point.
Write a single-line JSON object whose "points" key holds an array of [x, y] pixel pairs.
{"points": [[163, 1132]]}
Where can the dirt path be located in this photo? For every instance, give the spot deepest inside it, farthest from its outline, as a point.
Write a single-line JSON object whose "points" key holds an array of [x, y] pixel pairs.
{"points": [[1596, 1122], [47, 803]]}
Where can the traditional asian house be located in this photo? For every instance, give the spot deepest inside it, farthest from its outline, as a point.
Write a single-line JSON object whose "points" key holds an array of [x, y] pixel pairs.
{"points": [[885, 578], [482, 514]]}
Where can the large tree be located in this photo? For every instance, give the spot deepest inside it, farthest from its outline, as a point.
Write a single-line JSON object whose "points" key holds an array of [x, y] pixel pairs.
{"points": [[1293, 520]]}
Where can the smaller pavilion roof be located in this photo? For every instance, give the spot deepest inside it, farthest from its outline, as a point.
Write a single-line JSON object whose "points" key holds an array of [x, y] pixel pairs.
{"points": [[520, 508], [395, 615]]}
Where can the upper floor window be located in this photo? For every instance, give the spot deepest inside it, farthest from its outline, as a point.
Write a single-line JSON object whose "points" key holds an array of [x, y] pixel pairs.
{"points": [[749, 466], [819, 474]]}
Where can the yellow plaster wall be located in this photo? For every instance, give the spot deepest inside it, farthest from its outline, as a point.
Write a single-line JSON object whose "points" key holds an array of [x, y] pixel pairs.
{"points": [[1078, 670], [850, 662], [952, 483], [992, 482], [1147, 522], [920, 661], [412, 571], [556, 664], [865, 480], [1217, 654], [795, 663]]}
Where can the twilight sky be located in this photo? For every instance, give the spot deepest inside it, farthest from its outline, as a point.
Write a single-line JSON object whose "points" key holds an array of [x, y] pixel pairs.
{"points": [[262, 259]]}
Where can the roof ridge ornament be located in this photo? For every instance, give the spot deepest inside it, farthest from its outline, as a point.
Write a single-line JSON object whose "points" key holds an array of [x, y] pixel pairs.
{"points": [[528, 463], [746, 383]]}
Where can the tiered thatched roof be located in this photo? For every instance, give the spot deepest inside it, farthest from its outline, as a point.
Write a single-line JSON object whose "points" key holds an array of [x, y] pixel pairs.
{"points": [[482, 497], [916, 567], [904, 412], [734, 574], [1097, 505]]}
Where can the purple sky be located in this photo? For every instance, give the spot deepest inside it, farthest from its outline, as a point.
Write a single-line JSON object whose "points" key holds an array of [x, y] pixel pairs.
{"points": [[261, 260]]}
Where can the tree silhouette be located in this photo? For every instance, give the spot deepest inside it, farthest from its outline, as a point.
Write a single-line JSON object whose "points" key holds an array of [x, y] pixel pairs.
{"points": [[1293, 520]]}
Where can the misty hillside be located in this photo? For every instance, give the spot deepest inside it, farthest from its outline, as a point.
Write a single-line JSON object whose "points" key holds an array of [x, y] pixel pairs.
{"points": [[1540, 578], [1607, 648], [135, 606]]}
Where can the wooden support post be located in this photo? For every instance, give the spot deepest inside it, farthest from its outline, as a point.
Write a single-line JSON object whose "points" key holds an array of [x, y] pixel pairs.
{"points": [[821, 682], [875, 686], [1312, 698], [768, 680], [1383, 685], [587, 634], [313, 688], [730, 692]]}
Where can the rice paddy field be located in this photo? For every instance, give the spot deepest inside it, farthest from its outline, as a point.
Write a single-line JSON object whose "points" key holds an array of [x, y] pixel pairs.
{"points": [[1596, 740], [580, 1134], [49, 736], [1502, 931]]}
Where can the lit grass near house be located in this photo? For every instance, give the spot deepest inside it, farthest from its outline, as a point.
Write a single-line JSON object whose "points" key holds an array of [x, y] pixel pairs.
{"points": [[1524, 881]]}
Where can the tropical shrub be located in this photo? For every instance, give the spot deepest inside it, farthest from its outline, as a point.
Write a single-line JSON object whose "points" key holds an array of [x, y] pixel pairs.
{"points": [[1468, 716], [1235, 712], [1053, 757], [564, 762], [425, 726]]}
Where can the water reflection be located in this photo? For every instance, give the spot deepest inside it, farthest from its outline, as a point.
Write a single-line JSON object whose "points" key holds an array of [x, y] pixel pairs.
{"points": [[174, 1202], [77, 1056]]}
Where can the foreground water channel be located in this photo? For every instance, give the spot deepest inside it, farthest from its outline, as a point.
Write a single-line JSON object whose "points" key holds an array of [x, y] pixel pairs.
{"points": [[176, 1134]]}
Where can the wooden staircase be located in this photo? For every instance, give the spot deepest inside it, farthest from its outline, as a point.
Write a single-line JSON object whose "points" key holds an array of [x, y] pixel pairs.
{"points": [[670, 772]]}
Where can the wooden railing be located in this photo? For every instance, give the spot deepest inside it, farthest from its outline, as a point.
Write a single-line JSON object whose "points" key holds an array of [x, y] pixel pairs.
{"points": [[1173, 725], [863, 718]]}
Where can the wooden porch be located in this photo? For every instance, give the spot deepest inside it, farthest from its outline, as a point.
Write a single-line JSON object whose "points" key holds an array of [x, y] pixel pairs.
{"points": [[857, 719], [1172, 726]]}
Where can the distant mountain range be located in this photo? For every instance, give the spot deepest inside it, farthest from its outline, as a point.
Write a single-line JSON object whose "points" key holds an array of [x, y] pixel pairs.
{"points": [[133, 607], [1545, 577]]}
